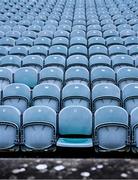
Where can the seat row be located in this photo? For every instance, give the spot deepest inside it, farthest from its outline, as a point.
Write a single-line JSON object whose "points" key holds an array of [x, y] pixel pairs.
{"points": [[75, 49], [14, 62], [76, 74], [63, 40], [40, 129], [103, 94]]}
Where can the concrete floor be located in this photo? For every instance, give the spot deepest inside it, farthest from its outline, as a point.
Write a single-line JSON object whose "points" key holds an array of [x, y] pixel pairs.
{"points": [[68, 168]]}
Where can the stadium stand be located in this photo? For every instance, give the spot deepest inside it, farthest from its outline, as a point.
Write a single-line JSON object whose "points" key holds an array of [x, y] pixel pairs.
{"points": [[69, 75]]}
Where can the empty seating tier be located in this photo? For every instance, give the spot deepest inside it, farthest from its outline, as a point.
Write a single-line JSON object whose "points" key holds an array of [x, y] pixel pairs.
{"points": [[69, 75]]}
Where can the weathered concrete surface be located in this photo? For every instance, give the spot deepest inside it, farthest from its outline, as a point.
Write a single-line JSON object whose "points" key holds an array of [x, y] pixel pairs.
{"points": [[68, 168]]}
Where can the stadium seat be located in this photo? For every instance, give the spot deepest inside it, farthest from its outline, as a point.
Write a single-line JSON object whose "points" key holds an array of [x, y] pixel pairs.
{"points": [[46, 94], [12, 62], [17, 95], [39, 50], [105, 94], [58, 50], [55, 61], [44, 41], [120, 61], [114, 41], [99, 60], [78, 50], [117, 49], [77, 74], [30, 34], [96, 41], [97, 50], [60, 41], [130, 96], [130, 41], [76, 94], [75, 127], [51, 75], [26, 75], [111, 122], [13, 34], [39, 129], [77, 60], [127, 75], [9, 128], [102, 74], [24, 41], [5, 77], [34, 61], [134, 125], [19, 51]]}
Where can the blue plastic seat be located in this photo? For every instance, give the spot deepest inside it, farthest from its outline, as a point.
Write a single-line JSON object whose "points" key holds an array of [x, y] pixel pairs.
{"points": [[3, 51], [39, 50], [75, 127], [30, 34], [77, 60], [26, 75], [17, 95], [24, 41], [61, 33], [105, 94], [46, 94], [127, 75], [134, 129], [45, 33], [44, 41], [133, 51], [6, 41], [117, 49], [99, 60], [96, 41], [76, 33], [64, 27], [109, 27], [12, 62], [52, 75], [35, 28], [5, 28], [78, 50], [5, 77], [77, 74], [76, 94], [119, 61], [127, 33], [9, 128], [58, 50], [111, 129], [130, 41], [97, 49], [34, 61], [110, 33], [94, 33], [78, 41], [114, 41], [60, 41], [79, 27], [55, 61], [102, 74], [19, 51], [19, 28], [122, 27], [39, 129], [13, 34], [130, 96]]}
